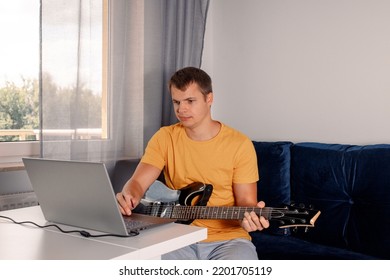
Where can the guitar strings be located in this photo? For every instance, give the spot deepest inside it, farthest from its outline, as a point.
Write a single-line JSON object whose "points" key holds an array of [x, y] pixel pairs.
{"points": [[220, 212]]}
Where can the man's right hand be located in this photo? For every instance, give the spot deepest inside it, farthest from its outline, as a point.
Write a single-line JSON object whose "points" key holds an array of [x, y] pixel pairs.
{"points": [[129, 198], [134, 189], [125, 202]]}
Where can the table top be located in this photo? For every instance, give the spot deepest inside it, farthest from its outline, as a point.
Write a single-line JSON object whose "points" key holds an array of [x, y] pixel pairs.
{"points": [[30, 242]]}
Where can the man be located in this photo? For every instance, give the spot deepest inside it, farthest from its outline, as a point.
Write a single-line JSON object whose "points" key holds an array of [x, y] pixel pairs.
{"points": [[200, 149]]}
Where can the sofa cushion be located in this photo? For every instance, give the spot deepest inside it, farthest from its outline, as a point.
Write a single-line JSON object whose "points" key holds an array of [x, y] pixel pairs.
{"points": [[274, 170], [272, 247], [350, 185]]}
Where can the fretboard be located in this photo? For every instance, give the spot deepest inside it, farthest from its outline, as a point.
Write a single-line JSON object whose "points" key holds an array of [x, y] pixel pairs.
{"points": [[214, 212]]}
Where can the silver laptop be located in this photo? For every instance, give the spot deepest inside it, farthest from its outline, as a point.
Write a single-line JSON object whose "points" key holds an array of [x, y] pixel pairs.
{"points": [[80, 194]]}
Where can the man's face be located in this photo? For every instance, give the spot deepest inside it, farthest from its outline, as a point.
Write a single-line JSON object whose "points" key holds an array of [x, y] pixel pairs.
{"points": [[192, 108]]}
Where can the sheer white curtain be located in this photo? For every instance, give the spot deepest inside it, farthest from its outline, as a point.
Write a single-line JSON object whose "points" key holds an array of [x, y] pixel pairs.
{"points": [[92, 79], [87, 117]]}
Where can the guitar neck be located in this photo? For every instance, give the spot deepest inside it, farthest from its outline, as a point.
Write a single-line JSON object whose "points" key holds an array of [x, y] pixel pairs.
{"points": [[215, 212], [287, 216]]}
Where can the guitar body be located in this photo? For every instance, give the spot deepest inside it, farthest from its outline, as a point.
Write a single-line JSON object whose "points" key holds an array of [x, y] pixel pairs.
{"points": [[190, 202], [195, 194], [159, 198]]}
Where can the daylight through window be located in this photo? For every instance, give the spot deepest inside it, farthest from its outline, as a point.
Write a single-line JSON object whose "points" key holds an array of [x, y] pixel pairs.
{"points": [[72, 71]]}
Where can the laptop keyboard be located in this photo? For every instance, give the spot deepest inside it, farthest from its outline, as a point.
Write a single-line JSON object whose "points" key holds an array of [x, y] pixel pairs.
{"points": [[133, 224]]}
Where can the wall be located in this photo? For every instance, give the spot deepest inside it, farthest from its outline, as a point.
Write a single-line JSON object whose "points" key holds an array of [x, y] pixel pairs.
{"points": [[301, 70]]}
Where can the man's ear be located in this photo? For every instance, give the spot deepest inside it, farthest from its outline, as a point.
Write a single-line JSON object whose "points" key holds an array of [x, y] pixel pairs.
{"points": [[210, 98]]}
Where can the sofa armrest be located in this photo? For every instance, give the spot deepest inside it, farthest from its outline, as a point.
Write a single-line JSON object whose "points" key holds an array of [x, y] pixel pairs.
{"points": [[122, 172]]}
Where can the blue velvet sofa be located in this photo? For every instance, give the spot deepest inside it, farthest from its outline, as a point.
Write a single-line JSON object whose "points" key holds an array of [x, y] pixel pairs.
{"points": [[349, 184]]}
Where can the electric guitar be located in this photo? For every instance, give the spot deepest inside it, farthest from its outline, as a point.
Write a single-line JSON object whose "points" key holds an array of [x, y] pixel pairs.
{"points": [[160, 201]]}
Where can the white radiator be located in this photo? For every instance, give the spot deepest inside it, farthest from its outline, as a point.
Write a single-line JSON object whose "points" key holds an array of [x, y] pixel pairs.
{"points": [[17, 200]]}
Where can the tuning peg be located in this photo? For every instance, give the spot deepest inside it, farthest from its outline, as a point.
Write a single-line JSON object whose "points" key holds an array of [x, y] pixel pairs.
{"points": [[311, 207], [295, 229], [301, 205], [306, 229]]}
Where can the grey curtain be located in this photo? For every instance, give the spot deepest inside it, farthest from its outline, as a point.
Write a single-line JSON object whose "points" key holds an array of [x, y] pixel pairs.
{"points": [[184, 25], [174, 35]]}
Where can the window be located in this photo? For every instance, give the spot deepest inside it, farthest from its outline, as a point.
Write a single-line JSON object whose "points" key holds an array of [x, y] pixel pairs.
{"points": [[21, 78], [19, 70]]}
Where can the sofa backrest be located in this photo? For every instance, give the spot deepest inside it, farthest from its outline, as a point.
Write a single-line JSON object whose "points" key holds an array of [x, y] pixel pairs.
{"points": [[273, 160], [350, 185]]}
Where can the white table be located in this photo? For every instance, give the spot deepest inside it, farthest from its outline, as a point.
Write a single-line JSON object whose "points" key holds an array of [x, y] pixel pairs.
{"points": [[25, 242]]}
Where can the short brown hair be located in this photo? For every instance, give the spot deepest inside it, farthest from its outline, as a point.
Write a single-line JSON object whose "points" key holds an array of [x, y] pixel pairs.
{"points": [[188, 75]]}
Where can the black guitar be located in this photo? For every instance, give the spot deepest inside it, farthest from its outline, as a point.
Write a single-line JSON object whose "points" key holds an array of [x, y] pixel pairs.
{"points": [[183, 207]]}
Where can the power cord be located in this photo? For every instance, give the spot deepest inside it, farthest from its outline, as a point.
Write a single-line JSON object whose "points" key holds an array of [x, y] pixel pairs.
{"points": [[81, 232]]}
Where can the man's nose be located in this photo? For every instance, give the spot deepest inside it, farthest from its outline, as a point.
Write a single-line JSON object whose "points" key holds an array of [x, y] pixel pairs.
{"points": [[181, 107]]}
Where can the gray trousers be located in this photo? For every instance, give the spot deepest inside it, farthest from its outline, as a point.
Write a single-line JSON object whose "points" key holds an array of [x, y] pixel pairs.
{"points": [[235, 249]]}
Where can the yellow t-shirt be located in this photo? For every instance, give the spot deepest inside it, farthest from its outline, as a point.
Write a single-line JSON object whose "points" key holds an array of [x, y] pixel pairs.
{"points": [[221, 161]]}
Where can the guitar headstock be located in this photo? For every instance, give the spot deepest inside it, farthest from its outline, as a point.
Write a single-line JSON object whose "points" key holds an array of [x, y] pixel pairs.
{"points": [[295, 216]]}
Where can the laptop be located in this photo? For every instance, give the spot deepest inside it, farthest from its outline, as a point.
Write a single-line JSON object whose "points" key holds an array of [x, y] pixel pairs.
{"points": [[80, 194]]}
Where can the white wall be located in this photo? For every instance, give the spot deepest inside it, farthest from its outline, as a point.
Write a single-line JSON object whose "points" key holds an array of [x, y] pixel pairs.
{"points": [[301, 70]]}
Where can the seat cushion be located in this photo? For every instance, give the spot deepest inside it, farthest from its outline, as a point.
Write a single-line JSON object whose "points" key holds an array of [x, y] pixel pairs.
{"points": [[277, 247]]}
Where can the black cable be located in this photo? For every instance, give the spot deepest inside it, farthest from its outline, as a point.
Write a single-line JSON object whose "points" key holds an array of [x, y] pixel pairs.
{"points": [[81, 232]]}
